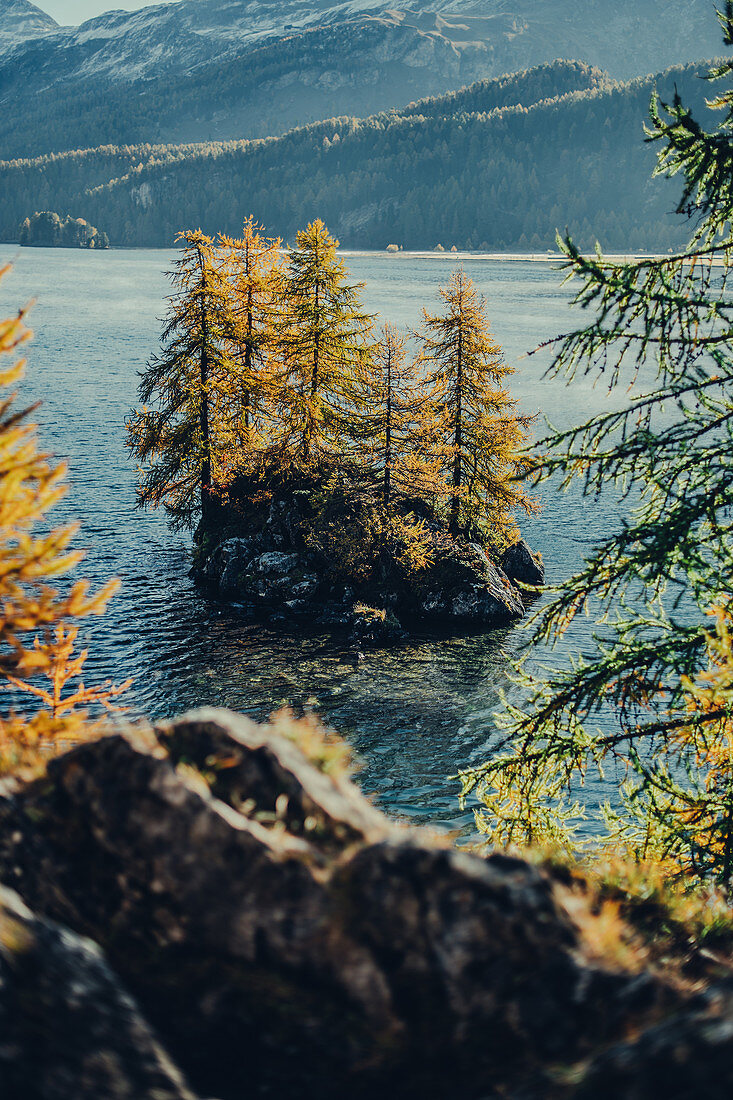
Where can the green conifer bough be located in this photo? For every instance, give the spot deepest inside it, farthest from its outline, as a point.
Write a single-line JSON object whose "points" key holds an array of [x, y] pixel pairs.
{"points": [[655, 694]]}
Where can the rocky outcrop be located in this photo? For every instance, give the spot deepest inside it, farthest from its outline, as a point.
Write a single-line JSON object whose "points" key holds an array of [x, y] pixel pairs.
{"points": [[67, 1028], [686, 1056], [283, 936], [276, 571], [523, 566]]}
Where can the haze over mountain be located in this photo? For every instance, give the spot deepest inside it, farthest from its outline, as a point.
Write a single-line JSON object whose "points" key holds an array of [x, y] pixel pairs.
{"points": [[498, 165], [217, 69]]}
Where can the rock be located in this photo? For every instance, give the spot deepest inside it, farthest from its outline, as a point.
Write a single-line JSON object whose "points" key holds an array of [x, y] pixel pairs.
{"points": [[68, 1030], [375, 627], [335, 614], [464, 587], [305, 587], [276, 563], [283, 936], [281, 569], [522, 566], [226, 565], [276, 578], [687, 1056]]}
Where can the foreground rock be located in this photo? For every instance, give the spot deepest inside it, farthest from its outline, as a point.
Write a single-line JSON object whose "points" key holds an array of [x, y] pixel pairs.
{"points": [[67, 1028], [270, 563], [687, 1056], [284, 937]]}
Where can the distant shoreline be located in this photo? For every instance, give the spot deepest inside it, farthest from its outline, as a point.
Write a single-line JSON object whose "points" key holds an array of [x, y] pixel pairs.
{"points": [[523, 257], [421, 254]]}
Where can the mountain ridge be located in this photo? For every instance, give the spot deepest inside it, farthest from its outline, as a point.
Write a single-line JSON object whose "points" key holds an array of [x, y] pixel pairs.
{"points": [[225, 69], [500, 165], [21, 21]]}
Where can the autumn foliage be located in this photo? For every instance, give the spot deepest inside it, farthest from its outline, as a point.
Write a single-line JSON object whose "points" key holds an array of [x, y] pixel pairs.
{"points": [[271, 372], [475, 415], [36, 642]]}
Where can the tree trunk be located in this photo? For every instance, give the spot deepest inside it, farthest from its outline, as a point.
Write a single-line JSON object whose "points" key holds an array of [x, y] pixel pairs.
{"points": [[206, 497], [388, 439], [457, 442]]}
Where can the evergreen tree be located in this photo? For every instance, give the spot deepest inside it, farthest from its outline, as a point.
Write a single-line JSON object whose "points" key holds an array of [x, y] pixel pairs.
{"points": [[324, 341], [484, 433], [392, 422], [254, 273], [182, 440], [33, 638], [658, 682]]}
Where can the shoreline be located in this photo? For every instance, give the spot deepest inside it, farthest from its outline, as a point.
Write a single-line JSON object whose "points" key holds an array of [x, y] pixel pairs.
{"points": [[356, 253]]}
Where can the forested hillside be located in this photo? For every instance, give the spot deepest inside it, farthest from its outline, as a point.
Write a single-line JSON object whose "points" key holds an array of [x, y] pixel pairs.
{"points": [[203, 70], [499, 165]]}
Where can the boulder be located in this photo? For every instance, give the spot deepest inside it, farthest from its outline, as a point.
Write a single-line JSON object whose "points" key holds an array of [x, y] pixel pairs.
{"points": [[686, 1056], [371, 626], [68, 1030], [463, 587], [283, 935], [227, 564], [266, 554], [275, 563], [522, 566]]}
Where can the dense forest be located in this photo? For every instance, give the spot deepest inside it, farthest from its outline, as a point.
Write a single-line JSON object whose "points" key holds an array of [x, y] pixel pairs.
{"points": [[498, 165]]}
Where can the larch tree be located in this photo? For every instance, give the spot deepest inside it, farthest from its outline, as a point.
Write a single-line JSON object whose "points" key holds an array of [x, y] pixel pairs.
{"points": [[253, 262], [181, 435], [483, 432], [391, 422], [651, 698], [325, 337], [34, 640]]}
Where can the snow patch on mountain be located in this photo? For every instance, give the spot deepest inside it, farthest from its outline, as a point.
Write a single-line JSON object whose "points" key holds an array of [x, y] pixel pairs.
{"points": [[21, 21]]}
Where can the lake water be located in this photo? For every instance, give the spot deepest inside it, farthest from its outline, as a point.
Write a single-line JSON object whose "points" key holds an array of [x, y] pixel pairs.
{"points": [[416, 713]]}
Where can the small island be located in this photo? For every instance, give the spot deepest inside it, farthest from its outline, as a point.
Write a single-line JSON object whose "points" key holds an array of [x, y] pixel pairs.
{"points": [[334, 477], [46, 229]]}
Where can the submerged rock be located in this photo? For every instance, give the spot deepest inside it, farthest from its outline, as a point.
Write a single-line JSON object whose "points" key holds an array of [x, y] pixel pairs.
{"points": [[284, 937]]}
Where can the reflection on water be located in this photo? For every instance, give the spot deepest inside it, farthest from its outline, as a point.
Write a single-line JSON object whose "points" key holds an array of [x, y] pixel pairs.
{"points": [[415, 713]]}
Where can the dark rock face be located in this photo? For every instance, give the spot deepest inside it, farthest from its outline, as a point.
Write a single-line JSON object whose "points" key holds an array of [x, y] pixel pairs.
{"points": [[521, 565], [67, 1028], [687, 1056], [371, 627], [464, 587], [272, 570], [283, 936]]}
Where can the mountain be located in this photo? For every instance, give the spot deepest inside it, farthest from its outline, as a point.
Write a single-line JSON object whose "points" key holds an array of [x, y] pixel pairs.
{"points": [[222, 69], [21, 22], [500, 164]]}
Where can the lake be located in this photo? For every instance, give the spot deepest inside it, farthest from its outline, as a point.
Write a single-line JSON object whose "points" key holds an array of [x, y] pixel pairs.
{"points": [[415, 714]]}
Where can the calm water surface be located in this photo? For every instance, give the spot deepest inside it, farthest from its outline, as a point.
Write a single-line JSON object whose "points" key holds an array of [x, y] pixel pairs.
{"points": [[416, 713]]}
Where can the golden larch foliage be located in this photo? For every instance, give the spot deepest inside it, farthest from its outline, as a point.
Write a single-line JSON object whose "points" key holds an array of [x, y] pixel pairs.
{"points": [[181, 434], [483, 432], [392, 422], [324, 338], [254, 271], [30, 484]]}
